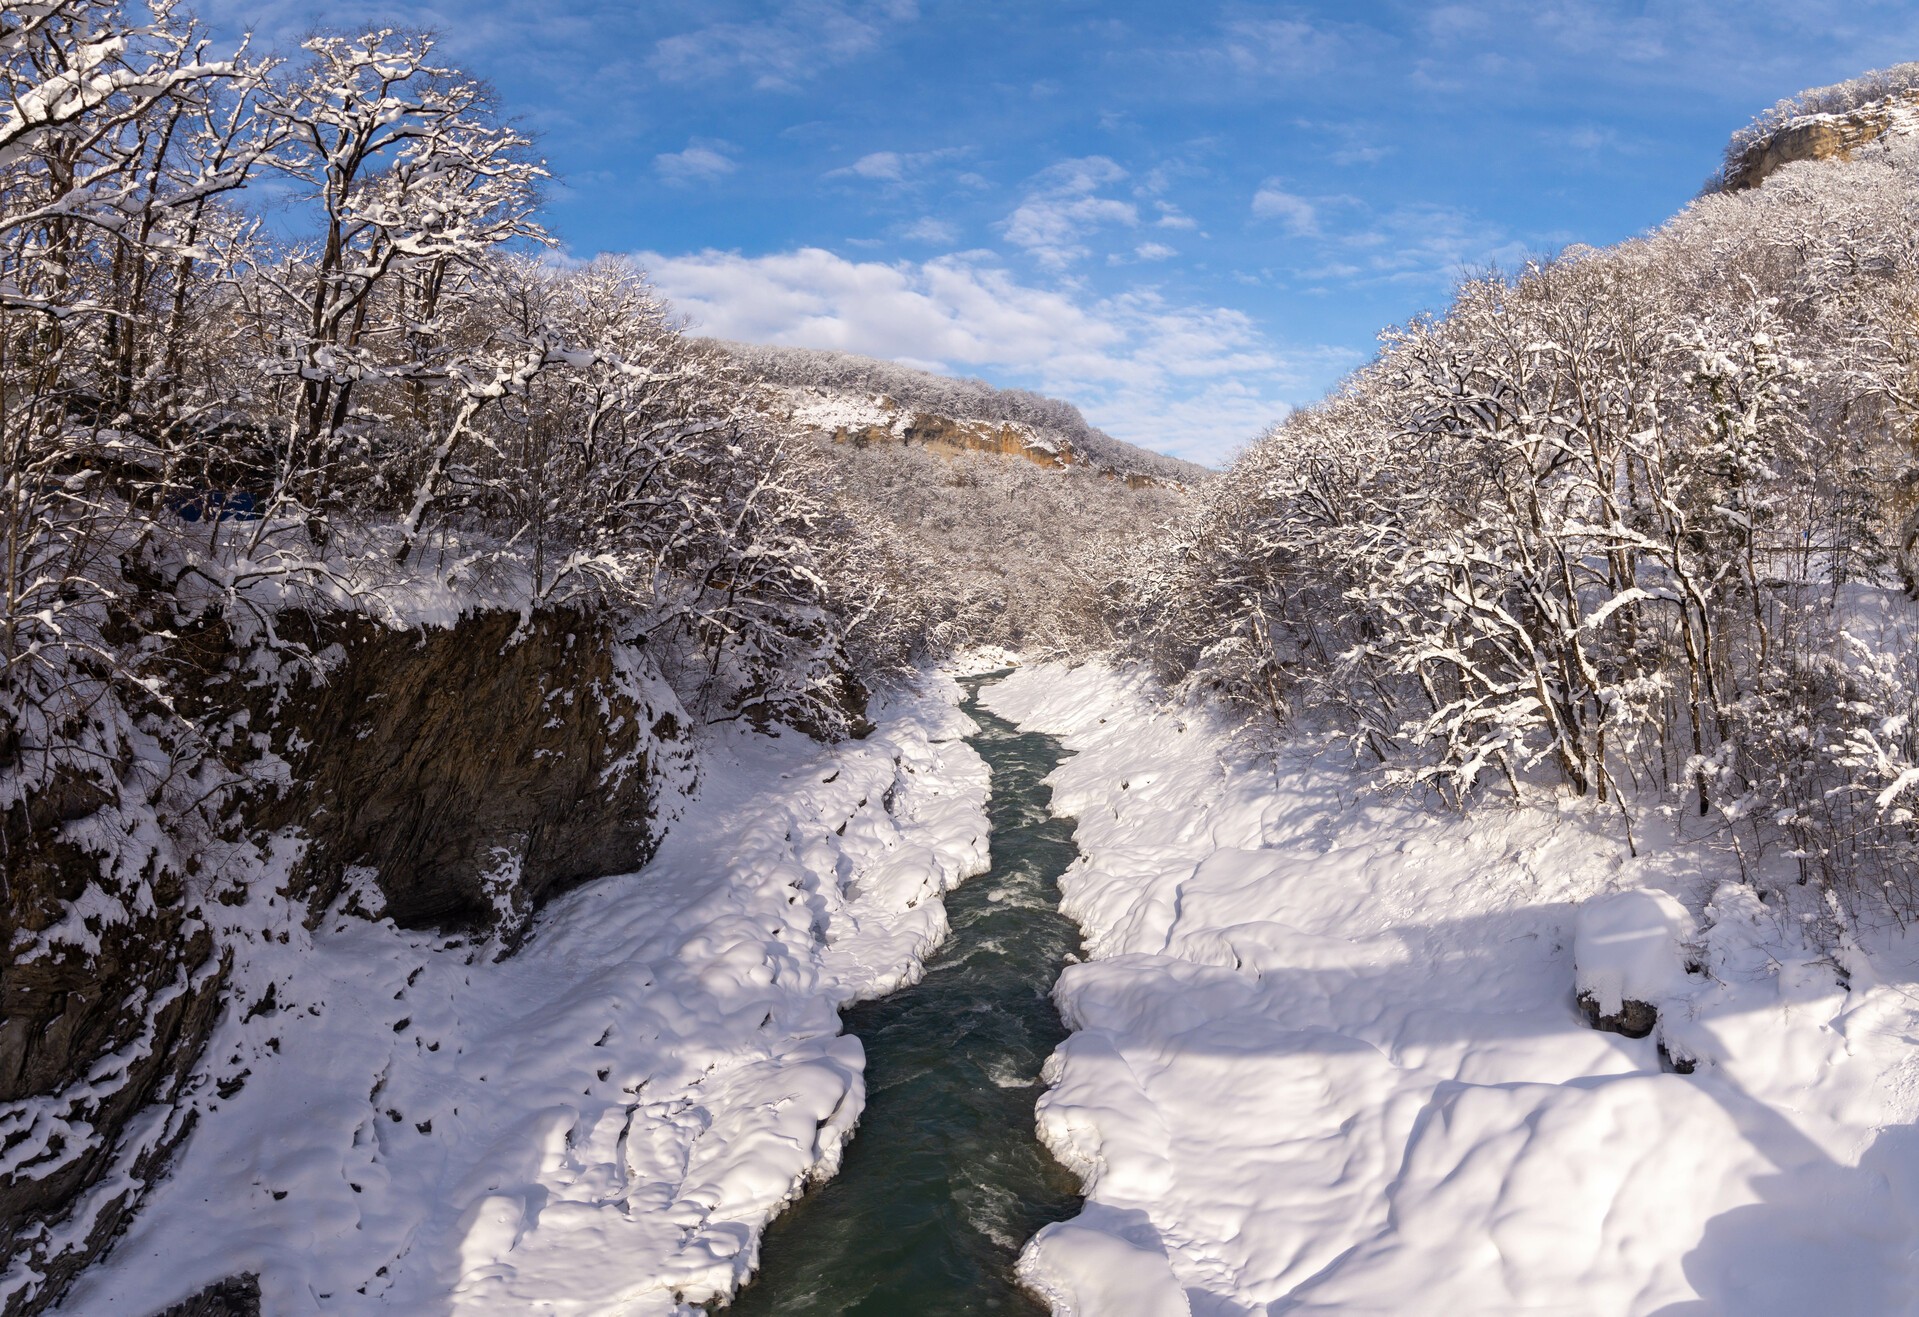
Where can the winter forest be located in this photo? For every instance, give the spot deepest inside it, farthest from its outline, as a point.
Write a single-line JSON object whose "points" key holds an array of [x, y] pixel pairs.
{"points": [[1639, 521], [435, 678]]}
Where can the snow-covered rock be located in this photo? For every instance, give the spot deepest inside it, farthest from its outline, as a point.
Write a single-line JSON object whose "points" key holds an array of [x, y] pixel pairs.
{"points": [[1629, 955], [1083, 1272], [1821, 136]]}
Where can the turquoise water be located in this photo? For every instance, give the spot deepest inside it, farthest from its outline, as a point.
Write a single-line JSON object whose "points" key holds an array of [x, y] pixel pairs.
{"points": [[944, 1180]]}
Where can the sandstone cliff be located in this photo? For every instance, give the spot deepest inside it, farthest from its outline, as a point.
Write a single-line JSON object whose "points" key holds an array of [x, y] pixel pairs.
{"points": [[1822, 123], [860, 400], [1824, 137], [881, 419]]}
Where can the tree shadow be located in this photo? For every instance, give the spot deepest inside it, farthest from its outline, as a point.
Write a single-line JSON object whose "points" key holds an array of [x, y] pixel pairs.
{"points": [[1824, 1237]]}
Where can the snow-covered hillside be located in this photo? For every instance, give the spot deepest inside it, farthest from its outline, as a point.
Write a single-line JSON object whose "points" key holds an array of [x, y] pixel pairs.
{"points": [[1822, 123], [837, 392], [605, 1121], [1006, 519], [1328, 1056]]}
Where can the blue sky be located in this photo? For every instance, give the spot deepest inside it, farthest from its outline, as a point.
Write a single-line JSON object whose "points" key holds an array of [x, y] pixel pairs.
{"points": [[1184, 217]]}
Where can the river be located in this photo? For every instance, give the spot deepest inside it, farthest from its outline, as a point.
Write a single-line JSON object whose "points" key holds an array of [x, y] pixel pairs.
{"points": [[944, 1180]]}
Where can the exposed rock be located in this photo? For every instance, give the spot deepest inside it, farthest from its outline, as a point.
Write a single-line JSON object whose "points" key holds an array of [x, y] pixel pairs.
{"points": [[89, 1037], [882, 420], [1678, 1063], [1823, 137], [474, 771], [236, 1296], [465, 773], [829, 391], [1629, 954], [946, 435], [1634, 1019]]}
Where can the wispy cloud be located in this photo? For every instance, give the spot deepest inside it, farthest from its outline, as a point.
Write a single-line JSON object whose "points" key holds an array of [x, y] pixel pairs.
{"points": [[878, 164], [804, 39], [1340, 240], [1063, 205], [893, 166], [1425, 247], [1746, 51], [1189, 379], [1172, 217], [1300, 216], [1263, 56], [703, 161], [927, 228], [1274, 45]]}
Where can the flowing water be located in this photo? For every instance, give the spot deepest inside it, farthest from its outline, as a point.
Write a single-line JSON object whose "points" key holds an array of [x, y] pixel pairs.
{"points": [[944, 1180]]}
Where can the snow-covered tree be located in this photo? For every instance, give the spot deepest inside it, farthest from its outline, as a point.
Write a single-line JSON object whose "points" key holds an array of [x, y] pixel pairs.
{"points": [[1608, 521]]}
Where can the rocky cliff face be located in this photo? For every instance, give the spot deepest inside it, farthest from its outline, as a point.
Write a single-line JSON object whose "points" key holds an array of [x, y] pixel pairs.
{"points": [[470, 772], [863, 399], [448, 778], [865, 420], [91, 1037], [879, 419], [1823, 137]]}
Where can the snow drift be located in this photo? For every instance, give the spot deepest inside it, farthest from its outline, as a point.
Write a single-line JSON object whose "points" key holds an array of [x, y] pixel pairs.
{"points": [[606, 1120], [1328, 1056]]}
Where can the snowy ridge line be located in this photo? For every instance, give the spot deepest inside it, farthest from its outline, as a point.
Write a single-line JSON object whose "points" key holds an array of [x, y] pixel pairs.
{"points": [[855, 382], [1328, 1059], [606, 1121]]}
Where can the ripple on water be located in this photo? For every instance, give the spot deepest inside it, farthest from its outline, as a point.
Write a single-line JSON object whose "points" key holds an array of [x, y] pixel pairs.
{"points": [[944, 1180]]}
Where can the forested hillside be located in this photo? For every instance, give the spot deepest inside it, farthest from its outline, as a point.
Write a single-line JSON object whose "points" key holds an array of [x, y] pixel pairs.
{"points": [[1636, 522], [1009, 519], [812, 375]]}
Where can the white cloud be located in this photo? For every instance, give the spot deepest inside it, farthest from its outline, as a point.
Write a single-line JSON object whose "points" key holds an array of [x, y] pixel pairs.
{"points": [[1300, 216], [701, 162], [1421, 246], [1155, 251], [893, 166], [1172, 217], [1264, 50], [1341, 240], [929, 229], [878, 164], [1193, 380], [1063, 205], [1079, 175], [1361, 153], [803, 39]]}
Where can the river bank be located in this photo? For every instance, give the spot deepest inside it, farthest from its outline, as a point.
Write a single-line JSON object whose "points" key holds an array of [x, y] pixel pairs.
{"points": [[605, 1120], [944, 1181], [1327, 1054]]}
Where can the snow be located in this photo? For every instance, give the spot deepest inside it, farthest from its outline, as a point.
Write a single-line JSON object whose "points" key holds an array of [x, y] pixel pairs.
{"points": [[606, 1120], [1327, 1056], [1095, 1271], [1631, 946], [829, 410]]}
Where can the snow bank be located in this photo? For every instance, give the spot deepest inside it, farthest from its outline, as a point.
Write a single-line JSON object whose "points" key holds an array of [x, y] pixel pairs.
{"points": [[1328, 1055], [606, 1121], [1088, 1270]]}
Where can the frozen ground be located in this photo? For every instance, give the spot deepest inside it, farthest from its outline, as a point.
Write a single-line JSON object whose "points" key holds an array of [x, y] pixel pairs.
{"points": [[1328, 1057], [604, 1122]]}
